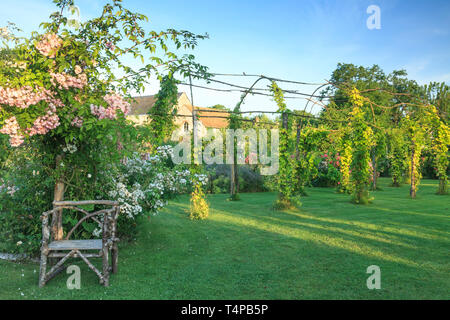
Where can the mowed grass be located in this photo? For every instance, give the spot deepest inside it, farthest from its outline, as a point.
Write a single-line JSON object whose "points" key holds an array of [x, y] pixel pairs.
{"points": [[245, 250]]}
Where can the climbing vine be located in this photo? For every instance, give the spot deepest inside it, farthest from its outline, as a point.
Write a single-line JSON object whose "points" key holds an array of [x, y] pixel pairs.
{"points": [[305, 146], [286, 191], [362, 141], [398, 157], [164, 111], [440, 133], [415, 134], [345, 162], [378, 151]]}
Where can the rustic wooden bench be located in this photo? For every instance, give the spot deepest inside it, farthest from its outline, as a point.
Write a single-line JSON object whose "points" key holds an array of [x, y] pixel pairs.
{"points": [[83, 249]]}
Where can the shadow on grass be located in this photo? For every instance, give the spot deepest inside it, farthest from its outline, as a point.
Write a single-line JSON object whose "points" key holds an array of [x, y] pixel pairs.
{"points": [[245, 250]]}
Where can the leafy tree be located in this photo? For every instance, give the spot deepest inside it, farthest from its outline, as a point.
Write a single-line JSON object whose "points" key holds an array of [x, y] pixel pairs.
{"points": [[66, 86], [220, 107], [347, 76], [438, 95]]}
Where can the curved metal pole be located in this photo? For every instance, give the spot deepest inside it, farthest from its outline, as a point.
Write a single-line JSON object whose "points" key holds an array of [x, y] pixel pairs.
{"points": [[244, 95], [233, 123], [310, 97]]}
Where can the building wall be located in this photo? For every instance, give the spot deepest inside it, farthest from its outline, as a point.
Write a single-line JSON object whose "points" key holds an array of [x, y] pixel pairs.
{"points": [[184, 108]]}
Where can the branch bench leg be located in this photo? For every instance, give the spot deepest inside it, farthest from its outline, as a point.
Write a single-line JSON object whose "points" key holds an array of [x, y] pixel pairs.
{"points": [[105, 266], [93, 268], [43, 268], [57, 268], [114, 257]]}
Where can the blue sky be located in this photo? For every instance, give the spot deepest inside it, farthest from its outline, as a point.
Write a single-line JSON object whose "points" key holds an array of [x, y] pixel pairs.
{"points": [[297, 40]]}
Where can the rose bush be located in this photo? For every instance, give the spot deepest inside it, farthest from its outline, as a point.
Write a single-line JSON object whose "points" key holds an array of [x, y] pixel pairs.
{"points": [[64, 97], [142, 183]]}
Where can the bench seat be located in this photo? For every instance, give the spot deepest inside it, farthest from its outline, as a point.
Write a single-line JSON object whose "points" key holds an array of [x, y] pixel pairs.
{"points": [[95, 244]]}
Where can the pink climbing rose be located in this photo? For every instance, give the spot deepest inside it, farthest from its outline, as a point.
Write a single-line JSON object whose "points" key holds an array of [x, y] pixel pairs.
{"points": [[11, 128], [115, 102], [49, 45]]}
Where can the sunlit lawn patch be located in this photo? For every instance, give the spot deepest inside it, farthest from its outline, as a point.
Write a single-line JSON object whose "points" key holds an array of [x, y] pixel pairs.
{"points": [[245, 250]]}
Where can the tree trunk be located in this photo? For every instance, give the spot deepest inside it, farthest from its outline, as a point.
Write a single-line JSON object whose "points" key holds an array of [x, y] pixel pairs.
{"points": [[285, 126], [297, 142], [234, 180], [57, 229], [234, 174], [412, 191], [374, 173], [442, 185]]}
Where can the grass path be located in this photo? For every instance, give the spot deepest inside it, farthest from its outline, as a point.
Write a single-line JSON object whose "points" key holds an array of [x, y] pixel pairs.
{"points": [[245, 250]]}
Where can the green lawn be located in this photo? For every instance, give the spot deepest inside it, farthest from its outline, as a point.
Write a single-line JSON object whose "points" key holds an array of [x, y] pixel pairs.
{"points": [[247, 251]]}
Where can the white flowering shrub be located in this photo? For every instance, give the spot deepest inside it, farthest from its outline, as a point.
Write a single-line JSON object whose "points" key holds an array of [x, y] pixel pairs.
{"points": [[165, 152], [144, 183], [141, 183]]}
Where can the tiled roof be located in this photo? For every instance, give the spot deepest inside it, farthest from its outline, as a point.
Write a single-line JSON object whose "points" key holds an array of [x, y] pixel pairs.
{"points": [[143, 105], [212, 122], [208, 122]]}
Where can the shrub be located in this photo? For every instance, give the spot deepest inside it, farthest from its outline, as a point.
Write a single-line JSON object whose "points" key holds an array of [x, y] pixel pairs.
{"points": [[327, 174], [25, 193], [141, 183], [249, 179], [287, 204], [199, 208]]}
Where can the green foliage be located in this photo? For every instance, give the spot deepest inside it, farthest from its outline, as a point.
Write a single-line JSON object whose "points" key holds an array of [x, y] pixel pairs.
{"points": [[440, 133], [346, 161], [219, 107], [302, 172], [89, 145], [415, 133], [98, 49], [385, 91], [164, 110], [5, 150], [308, 140], [26, 191], [142, 185], [286, 196], [344, 158], [398, 153], [378, 152], [328, 174], [438, 95], [362, 142], [249, 179], [220, 184]]}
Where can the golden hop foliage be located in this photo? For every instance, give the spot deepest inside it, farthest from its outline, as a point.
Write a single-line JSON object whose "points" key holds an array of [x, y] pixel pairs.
{"points": [[199, 208]]}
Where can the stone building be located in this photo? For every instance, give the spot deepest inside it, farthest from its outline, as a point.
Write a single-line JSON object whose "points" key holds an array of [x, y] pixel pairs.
{"points": [[207, 117]]}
